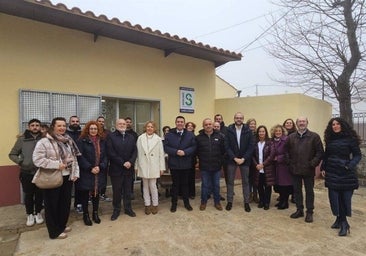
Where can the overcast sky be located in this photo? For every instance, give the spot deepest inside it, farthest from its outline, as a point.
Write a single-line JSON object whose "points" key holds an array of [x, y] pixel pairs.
{"points": [[233, 25]]}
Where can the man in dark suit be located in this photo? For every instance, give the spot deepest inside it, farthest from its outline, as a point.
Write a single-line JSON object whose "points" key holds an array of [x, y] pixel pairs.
{"points": [[122, 153], [180, 145], [241, 145]]}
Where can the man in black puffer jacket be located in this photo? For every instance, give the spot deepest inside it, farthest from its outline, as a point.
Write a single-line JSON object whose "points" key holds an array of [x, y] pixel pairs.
{"points": [[210, 151]]}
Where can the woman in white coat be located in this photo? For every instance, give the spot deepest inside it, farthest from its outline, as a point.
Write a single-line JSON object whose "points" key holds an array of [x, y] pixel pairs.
{"points": [[150, 164]]}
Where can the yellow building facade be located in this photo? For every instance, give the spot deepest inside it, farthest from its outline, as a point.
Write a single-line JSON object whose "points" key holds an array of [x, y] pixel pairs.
{"points": [[55, 58]]}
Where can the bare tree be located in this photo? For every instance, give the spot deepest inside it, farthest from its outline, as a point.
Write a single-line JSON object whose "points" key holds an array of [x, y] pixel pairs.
{"points": [[319, 46]]}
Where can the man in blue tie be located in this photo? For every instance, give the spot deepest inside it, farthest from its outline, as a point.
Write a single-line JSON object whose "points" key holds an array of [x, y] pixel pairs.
{"points": [[180, 145]]}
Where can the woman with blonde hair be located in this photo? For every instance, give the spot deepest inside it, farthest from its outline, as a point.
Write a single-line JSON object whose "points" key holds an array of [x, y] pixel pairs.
{"points": [[150, 164], [283, 174]]}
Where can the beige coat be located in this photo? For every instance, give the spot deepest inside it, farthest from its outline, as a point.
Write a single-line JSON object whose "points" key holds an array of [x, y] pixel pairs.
{"points": [[46, 155], [150, 156]]}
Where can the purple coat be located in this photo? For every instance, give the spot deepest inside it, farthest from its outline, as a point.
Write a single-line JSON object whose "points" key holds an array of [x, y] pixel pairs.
{"points": [[283, 174]]}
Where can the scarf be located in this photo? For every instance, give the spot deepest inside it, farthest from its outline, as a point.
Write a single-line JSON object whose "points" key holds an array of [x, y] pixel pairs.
{"points": [[64, 142], [96, 142]]}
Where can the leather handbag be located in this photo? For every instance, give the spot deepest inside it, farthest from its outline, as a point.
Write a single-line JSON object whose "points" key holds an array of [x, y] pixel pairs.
{"points": [[48, 178]]}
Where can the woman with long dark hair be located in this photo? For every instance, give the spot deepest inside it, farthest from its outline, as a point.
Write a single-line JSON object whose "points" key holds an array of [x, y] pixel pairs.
{"points": [[93, 164], [58, 151], [342, 154], [264, 177]]}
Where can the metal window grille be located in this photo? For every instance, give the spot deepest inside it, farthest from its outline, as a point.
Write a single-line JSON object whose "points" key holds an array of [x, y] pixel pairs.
{"points": [[47, 105]]}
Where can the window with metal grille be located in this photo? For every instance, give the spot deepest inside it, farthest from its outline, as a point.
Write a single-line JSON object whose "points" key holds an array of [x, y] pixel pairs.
{"points": [[47, 105]]}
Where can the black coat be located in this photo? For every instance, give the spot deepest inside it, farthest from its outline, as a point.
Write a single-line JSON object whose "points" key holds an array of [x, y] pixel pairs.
{"points": [[210, 150], [87, 162], [121, 150], [341, 156]]}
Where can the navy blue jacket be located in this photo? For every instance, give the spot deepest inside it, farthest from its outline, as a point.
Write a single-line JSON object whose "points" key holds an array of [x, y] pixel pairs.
{"points": [[341, 156], [174, 142], [87, 163], [210, 150], [121, 150], [246, 144]]}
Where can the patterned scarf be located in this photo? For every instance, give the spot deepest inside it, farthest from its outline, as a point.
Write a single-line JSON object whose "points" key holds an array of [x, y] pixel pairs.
{"points": [[65, 154], [96, 143]]}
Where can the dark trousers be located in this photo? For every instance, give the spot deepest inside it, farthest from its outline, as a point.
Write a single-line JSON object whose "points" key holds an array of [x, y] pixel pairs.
{"points": [[84, 197], [180, 183], [264, 191], [192, 182], [340, 202], [33, 196], [57, 203], [309, 192], [121, 185]]}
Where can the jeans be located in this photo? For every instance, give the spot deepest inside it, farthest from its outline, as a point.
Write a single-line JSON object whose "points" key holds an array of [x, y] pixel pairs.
{"points": [[309, 192], [210, 183], [244, 172]]}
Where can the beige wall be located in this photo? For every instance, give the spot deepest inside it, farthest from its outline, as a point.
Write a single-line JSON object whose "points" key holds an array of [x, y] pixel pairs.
{"points": [[271, 110], [224, 89], [44, 57]]}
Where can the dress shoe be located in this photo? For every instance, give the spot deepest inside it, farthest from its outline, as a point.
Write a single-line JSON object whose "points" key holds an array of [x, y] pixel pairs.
{"points": [[86, 219], [188, 207], [222, 198], [130, 213], [260, 205], [297, 214], [336, 224], [218, 206], [62, 236], [266, 207], [115, 215], [173, 208], [95, 217], [344, 228], [229, 205], [247, 207], [309, 217], [202, 207], [67, 229]]}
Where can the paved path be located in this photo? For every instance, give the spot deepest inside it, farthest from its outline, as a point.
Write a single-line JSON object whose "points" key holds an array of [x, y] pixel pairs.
{"points": [[209, 232]]}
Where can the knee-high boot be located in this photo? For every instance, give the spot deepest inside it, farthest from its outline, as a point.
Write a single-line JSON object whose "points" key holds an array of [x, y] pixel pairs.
{"points": [[95, 217]]}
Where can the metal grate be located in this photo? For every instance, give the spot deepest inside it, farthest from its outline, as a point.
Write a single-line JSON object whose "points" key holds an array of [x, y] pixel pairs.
{"points": [[47, 105]]}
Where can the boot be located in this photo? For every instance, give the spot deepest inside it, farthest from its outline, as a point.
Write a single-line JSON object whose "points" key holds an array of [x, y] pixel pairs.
{"points": [[86, 219], [96, 217], [344, 228], [282, 205], [147, 210], [154, 209], [255, 197], [337, 223]]}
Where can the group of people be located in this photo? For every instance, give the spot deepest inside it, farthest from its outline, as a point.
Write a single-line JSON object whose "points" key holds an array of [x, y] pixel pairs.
{"points": [[284, 159]]}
